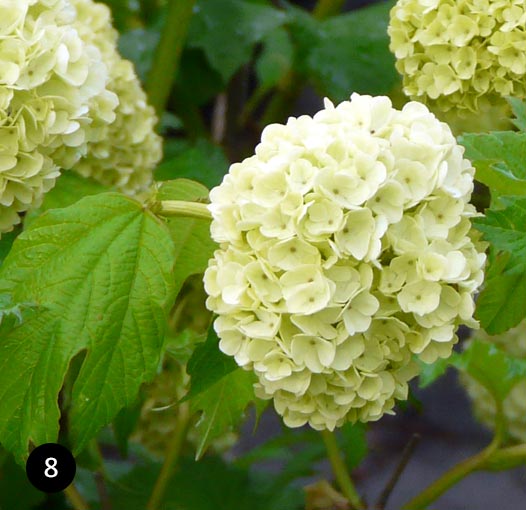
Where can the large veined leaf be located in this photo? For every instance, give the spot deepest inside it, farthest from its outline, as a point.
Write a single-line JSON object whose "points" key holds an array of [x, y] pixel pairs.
{"points": [[346, 53], [70, 188], [499, 160], [502, 304], [505, 229], [102, 272], [227, 31]]}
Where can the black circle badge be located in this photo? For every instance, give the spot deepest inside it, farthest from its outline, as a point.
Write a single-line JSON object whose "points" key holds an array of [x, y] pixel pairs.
{"points": [[51, 467]]}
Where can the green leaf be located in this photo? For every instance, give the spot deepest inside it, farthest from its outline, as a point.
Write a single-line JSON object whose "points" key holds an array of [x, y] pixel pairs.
{"points": [[227, 31], [197, 82], [494, 369], [347, 53], [276, 58], [193, 244], [502, 303], [353, 443], [518, 107], [505, 229], [201, 161], [69, 188], [103, 270], [430, 372], [499, 160], [13, 314], [208, 365], [15, 490], [124, 424], [222, 406]]}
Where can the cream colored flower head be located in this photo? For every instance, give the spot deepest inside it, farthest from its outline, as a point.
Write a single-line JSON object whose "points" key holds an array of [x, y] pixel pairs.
{"points": [[48, 76], [463, 54], [66, 94], [345, 250], [124, 152], [512, 342]]}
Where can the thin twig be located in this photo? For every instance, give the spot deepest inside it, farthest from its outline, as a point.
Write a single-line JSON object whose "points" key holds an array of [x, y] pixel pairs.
{"points": [[404, 460], [219, 119], [74, 497], [104, 498], [340, 470], [172, 457]]}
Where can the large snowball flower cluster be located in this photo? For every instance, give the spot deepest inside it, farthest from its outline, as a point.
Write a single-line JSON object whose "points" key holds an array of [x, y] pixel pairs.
{"points": [[512, 342], [345, 250], [463, 54], [59, 95]]}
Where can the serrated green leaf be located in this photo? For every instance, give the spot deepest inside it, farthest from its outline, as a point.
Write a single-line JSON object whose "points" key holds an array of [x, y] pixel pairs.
{"points": [[193, 244], [227, 31], [430, 372], [208, 365], [69, 188], [499, 160], [505, 229], [276, 59], [502, 303], [103, 270], [494, 369], [347, 53], [200, 161], [518, 107], [222, 406], [353, 443], [13, 314]]}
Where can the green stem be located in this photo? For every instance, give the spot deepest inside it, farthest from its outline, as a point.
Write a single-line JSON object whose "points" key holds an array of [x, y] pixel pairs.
{"points": [[340, 470], [182, 208], [506, 458], [171, 458], [168, 53], [73, 496]]}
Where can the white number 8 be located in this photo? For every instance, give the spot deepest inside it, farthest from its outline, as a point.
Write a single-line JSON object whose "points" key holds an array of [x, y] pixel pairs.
{"points": [[51, 471]]}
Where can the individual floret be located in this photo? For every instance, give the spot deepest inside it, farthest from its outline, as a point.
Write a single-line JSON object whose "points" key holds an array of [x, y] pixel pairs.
{"points": [[345, 250]]}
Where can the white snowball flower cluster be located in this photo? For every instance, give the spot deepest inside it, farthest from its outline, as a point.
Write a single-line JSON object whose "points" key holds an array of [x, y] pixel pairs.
{"points": [[65, 93], [125, 152], [48, 76], [512, 342], [345, 250]]}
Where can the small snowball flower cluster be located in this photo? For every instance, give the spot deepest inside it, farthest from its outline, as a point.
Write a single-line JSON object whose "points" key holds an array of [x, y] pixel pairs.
{"points": [[345, 250], [462, 53], [513, 342], [124, 152], [59, 96]]}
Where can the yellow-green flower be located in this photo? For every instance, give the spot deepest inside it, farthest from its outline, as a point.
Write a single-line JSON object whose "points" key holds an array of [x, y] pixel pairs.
{"points": [[465, 54], [345, 250]]}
